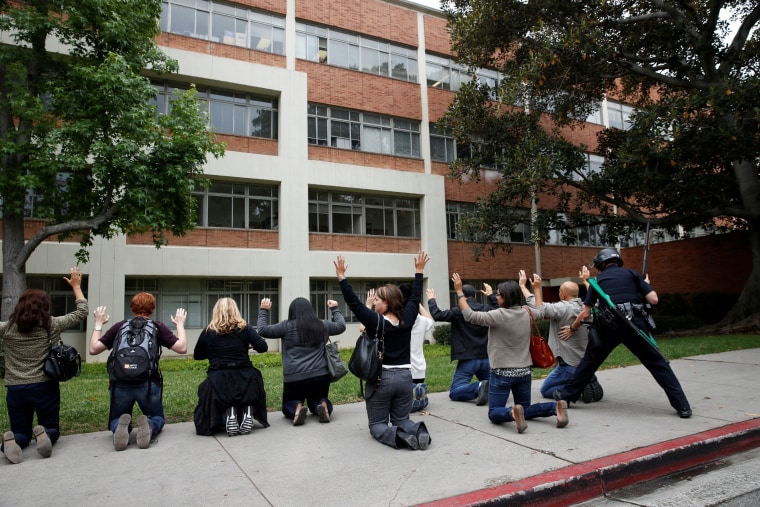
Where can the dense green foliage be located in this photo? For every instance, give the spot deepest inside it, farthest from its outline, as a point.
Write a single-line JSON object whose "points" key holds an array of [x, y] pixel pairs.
{"points": [[688, 158], [84, 400], [83, 149]]}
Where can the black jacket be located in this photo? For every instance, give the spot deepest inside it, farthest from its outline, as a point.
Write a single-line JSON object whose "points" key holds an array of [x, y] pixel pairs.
{"points": [[468, 341]]}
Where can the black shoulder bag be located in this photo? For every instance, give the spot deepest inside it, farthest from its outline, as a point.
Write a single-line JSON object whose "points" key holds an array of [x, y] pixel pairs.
{"points": [[367, 358], [63, 361]]}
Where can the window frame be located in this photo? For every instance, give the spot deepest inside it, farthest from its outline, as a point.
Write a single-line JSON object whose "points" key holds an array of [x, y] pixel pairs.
{"points": [[346, 129], [244, 192], [398, 213], [356, 52], [213, 12]]}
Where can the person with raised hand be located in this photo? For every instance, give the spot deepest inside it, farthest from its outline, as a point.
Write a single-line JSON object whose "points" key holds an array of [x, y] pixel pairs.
{"points": [[389, 400]]}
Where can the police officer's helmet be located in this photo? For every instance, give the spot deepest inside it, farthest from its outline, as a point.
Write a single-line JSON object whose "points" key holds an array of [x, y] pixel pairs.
{"points": [[607, 255]]}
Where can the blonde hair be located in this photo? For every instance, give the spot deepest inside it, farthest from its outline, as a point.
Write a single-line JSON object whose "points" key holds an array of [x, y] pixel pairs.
{"points": [[226, 317]]}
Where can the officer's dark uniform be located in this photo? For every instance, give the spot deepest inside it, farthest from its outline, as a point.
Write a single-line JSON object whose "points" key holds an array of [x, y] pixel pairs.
{"points": [[623, 285]]}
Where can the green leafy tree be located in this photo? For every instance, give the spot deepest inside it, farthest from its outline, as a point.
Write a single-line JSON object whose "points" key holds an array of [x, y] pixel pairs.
{"points": [[689, 156], [81, 146]]}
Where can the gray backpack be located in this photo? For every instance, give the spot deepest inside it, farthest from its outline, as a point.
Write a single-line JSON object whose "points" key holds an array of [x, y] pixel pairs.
{"points": [[135, 353]]}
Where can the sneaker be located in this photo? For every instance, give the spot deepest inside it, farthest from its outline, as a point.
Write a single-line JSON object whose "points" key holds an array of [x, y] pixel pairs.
{"points": [[323, 413], [561, 414], [300, 416], [422, 404], [588, 394], [44, 445], [144, 433], [482, 397], [596, 389], [121, 435], [518, 414], [232, 423], [247, 425], [11, 449]]}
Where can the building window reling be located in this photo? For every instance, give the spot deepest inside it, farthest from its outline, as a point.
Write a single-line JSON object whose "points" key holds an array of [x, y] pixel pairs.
{"points": [[354, 130], [354, 213]]}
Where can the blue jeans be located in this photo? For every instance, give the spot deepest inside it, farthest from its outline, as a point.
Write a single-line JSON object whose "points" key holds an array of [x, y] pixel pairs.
{"points": [[499, 388], [461, 388], [148, 398], [390, 400], [26, 399], [557, 379]]}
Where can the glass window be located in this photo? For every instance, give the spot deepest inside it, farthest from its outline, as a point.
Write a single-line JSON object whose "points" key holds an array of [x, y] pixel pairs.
{"points": [[355, 52], [618, 115], [374, 215], [238, 206], [363, 131], [446, 74], [441, 145], [200, 296], [225, 23]]}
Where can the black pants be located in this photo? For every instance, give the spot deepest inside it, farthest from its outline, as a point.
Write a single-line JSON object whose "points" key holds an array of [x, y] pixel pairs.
{"points": [[652, 361]]}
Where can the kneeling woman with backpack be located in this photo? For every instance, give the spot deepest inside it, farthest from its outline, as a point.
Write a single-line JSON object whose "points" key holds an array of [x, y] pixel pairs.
{"points": [[133, 367], [232, 396]]}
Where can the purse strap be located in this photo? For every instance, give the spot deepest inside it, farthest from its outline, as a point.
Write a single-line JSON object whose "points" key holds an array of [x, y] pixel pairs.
{"points": [[534, 324]]}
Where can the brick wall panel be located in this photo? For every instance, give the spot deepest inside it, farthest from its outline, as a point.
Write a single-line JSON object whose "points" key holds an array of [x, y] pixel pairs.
{"points": [[341, 156], [436, 35], [720, 263], [377, 19], [217, 238], [350, 243]]}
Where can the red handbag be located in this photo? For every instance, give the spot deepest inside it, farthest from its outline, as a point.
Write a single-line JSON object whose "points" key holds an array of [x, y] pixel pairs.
{"points": [[539, 350]]}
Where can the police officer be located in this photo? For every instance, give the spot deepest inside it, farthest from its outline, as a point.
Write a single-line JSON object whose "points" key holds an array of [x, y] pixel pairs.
{"points": [[623, 286]]}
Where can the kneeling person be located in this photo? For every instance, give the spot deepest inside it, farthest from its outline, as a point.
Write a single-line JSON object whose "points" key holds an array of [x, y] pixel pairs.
{"points": [[133, 370]]}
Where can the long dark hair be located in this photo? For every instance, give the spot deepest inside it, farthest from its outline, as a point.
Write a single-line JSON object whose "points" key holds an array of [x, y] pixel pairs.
{"points": [[511, 295], [311, 330], [32, 311]]}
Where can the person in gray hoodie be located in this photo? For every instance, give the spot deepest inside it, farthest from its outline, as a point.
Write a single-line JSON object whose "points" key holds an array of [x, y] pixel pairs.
{"points": [[306, 381]]}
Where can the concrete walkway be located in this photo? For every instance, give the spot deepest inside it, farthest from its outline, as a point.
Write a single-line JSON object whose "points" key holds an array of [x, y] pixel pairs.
{"points": [[629, 436]]}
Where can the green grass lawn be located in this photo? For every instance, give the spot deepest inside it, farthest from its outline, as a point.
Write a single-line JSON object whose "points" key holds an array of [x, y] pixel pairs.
{"points": [[84, 400]]}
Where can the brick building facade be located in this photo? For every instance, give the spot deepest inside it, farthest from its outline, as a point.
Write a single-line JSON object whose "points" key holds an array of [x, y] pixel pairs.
{"points": [[327, 109]]}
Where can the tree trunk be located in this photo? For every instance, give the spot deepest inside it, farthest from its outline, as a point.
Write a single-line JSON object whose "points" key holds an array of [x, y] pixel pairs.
{"points": [[14, 269], [748, 303]]}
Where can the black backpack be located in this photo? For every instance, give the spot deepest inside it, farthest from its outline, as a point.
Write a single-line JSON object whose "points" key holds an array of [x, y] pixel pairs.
{"points": [[135, 353]]}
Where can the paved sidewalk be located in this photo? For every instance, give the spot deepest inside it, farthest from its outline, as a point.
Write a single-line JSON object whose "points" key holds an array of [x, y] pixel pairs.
{"points": [[631, 435]]}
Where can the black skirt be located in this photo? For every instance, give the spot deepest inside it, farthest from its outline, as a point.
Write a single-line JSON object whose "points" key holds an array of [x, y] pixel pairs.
{"points": [[229, 388]]}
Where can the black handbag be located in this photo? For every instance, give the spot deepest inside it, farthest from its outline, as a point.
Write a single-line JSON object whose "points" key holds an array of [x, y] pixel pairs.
{"points": [[367, 358], [335, 364], [63, 362]]}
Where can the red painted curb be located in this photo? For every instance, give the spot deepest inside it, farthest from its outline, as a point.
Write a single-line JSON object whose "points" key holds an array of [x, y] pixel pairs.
{"points": [[591, 479]]}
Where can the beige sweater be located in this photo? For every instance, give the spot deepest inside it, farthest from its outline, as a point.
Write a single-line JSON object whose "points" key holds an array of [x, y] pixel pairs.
{"points": [[508, 334], [25, 353]]}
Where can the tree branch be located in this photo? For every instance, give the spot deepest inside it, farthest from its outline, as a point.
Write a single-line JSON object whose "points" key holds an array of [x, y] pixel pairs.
{"points": [[71, 226], [739, 41]]}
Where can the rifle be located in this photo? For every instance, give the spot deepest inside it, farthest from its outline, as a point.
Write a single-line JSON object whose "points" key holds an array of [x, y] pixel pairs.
{"points": [[648, 338], [646, 253]]}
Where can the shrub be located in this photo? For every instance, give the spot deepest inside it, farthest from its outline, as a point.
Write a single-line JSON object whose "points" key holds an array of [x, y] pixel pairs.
{"points": [[442, 334]]}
